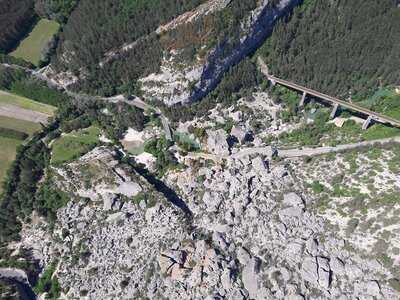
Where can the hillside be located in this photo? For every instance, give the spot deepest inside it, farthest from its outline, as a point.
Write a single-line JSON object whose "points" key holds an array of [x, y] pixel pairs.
{"points": [[178, 54], [16, 18], [147, 156], [343, 48]]}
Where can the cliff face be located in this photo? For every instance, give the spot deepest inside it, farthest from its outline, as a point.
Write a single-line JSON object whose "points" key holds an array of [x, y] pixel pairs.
{"points": [[177, 83], [260, 27]]}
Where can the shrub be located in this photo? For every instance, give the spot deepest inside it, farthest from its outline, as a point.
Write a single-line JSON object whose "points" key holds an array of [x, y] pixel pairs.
{"points": [[317, 187]]}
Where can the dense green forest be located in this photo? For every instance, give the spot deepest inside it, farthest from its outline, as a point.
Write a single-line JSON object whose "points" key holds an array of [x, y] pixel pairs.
{"points": [[58, 10], [16, 19], [342, 48], [8, 59]]}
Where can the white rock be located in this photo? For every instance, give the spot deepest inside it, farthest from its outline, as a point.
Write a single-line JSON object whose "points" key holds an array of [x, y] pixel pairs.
{"points": [[323, 272], [129, 189], [108, 201], [309, 270], [226, 279], [240, 133], [212, 201], [291, 212], [217, 142], [116, 217], [370, 288], [337, 266], [259, 164], [250, 276], [292, 199], [243, 256]]}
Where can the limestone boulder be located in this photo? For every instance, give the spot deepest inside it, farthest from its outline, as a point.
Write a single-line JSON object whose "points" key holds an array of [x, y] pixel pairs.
{"points": [[217, 142], [250, 276], [240, 134]]}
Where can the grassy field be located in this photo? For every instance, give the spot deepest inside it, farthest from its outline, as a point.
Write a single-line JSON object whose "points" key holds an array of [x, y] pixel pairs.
{"points": [[19, 125], [8, 151], [31, 47], [75, 144], [26, 103], [9, 146]]}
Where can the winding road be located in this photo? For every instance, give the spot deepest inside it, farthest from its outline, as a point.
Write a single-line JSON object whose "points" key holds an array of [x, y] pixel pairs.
{"points": [[136, 102], [290, 153]]}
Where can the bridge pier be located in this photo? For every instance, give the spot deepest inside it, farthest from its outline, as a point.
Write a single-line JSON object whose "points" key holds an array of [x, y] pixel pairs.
{"points": [[334, 111], [303, 99], [367, 123]]}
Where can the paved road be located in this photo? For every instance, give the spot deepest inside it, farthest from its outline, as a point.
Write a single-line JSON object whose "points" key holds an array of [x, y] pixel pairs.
{"points": [[137, 102], [374, 115], [291, 153]]}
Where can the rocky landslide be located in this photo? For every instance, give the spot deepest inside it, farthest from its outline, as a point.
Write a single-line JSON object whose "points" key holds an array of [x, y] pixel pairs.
{"points": [[251, 236]]}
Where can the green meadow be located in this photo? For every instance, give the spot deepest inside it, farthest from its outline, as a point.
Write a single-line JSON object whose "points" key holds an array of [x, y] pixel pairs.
{"points": [[22, 102], [75, 144], [8, 146], [31, 47]]}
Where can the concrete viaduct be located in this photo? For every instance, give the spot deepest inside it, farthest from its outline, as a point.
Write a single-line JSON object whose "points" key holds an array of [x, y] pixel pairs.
{"points": [[371, 115]]}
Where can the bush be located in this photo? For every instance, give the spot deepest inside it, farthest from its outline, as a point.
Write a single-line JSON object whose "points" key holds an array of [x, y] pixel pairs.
{"points": [[317, 187], [159, 148], [48, 283]]}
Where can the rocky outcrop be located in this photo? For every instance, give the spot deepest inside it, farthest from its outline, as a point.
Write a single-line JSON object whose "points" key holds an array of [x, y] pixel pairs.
{"points": [[252, 235], [20, 279]]}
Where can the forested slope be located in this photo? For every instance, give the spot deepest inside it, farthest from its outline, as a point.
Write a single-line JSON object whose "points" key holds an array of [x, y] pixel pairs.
{"points": [[58, 10], [16, 18], [338, 47], [95, 29]]}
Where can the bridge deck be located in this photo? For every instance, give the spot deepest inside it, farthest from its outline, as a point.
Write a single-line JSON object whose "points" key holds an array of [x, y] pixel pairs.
{"points": [[376, 116]]}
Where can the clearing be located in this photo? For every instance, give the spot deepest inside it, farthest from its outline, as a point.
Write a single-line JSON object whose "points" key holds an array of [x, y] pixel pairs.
{"points": [[8, 151], [31, 47], [75, 144], [8, 146], [19, 125], [25, 103]]}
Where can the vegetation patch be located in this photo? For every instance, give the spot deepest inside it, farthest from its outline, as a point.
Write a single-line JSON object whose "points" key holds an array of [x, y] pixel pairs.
{"points": [[185, 142], [31, 48], [165, 159], [75, 144], [22, 102], [48, 283]]}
